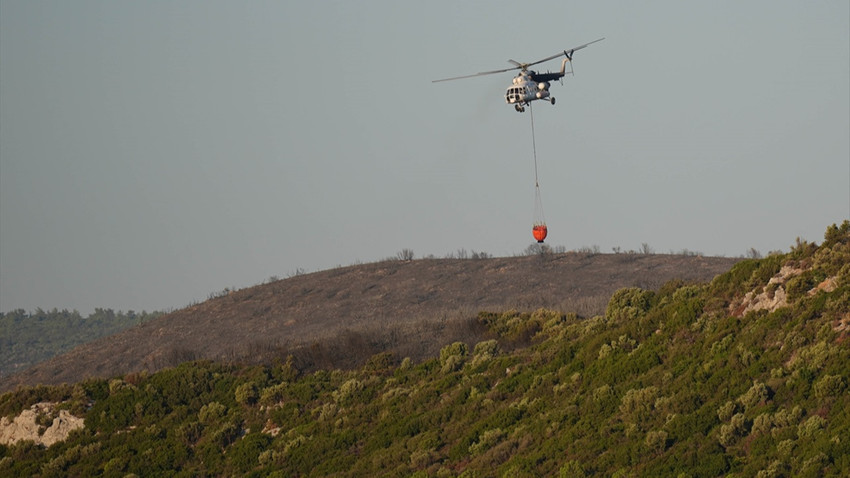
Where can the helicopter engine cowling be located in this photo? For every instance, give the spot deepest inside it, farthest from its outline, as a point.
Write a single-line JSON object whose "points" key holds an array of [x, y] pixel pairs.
{"points": [[542, 94], [543, 86]]}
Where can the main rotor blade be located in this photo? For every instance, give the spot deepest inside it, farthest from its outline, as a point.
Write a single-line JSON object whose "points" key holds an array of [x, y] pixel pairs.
{"points": [[476, 74], [563, 53], [520, 66]]}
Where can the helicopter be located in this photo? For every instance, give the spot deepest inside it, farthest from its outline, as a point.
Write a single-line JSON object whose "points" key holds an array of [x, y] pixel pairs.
{"points": [[528, 85]]}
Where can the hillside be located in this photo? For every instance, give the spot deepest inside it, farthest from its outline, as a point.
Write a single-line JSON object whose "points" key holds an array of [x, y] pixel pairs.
{"points": [[745, 376], [29, 338], [340, 317]]}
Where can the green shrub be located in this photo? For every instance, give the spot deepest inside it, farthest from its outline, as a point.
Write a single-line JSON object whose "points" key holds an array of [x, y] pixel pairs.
{"points": [[733, 431], [247, 394], [758, 393], [245, 452], [488, 347], [380, 363], [629, 304], [348, 392], [639, 403], [798, 286], [212, 413], [572, 469], [836, 235], [829, 386], [486, 440], [811, 426], [725, 412], [656, 441], [452, 357]]}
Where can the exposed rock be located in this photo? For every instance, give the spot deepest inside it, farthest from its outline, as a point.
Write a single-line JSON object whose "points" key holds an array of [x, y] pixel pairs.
{"points": [[767, 298], [764, 301], [842, 324], [774, 296], [271, 430], [26, 427], [828, 285]]}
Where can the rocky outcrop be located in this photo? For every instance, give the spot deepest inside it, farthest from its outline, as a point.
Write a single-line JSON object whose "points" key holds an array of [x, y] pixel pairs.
{"points": [[774, 295], [828, 285], [26, 425], [767, 298]]}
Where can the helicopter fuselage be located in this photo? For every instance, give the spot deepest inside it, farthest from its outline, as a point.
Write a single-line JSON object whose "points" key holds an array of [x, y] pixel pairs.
{"points": [[529, 85]]}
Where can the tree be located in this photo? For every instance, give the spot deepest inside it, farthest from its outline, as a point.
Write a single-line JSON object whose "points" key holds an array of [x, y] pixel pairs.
{"points": [[537, 249]]}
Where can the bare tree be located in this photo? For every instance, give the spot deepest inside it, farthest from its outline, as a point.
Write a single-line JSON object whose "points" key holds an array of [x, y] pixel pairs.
{"points": [[405, 255], [594, 249], [537, 249]]}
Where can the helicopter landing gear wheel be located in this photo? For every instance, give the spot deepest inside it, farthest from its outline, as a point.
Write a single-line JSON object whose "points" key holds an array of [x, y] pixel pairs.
{"points": [[552, 100], [519, 108]]}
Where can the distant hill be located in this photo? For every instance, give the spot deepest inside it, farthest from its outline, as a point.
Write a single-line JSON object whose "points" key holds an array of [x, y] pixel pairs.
{"points": [[341, 316], [747, 375], [27, 338]]}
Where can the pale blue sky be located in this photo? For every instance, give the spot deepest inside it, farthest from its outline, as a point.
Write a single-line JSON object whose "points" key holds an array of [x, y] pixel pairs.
{"points": [[154, 152]]}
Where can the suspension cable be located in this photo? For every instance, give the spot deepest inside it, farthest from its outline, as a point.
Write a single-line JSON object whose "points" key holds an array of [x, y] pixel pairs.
{"points": [[533, 144], [539, 217]]}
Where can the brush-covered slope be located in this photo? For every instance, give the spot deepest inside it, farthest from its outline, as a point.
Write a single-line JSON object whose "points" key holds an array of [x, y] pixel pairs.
{"points": [[410, 307], [745, 376]]}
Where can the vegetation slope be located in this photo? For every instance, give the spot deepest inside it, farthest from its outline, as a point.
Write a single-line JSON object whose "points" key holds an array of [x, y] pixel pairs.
{"points": [[744, 376]]}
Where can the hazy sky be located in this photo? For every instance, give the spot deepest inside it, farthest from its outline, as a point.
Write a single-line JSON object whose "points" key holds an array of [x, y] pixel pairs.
{"points": [[153, 152]]}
